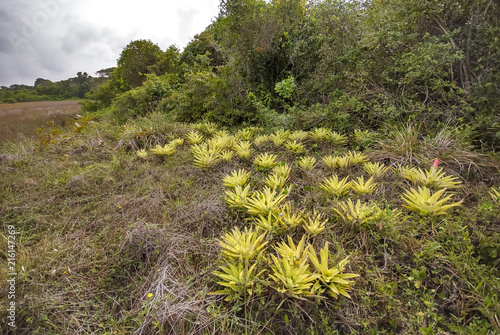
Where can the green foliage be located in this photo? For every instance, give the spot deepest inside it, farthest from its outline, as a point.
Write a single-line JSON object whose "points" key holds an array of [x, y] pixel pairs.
{"points": [[135, 60], [208, 95], [432, 65], [143, 99], [286, 87], [364, 138], [46, 90]]}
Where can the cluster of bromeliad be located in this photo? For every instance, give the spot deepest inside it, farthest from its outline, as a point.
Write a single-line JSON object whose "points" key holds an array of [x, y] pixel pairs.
{"points": [[264, 255]]}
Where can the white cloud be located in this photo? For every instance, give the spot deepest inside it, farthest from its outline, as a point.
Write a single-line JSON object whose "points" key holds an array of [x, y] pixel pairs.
{"points": [[55, 39]]}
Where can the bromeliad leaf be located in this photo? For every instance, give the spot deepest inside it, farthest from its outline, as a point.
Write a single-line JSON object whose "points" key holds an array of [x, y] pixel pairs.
{"points": [[295, 254], [358, 213], [337, 138], [298, 135], [314, 224], [336, 187], [307, 163], [238, 197], [295, 147], [263, 202], [320, 134], [243, 149], [194, 137], [275, 180], [361, 187], [425, 203], [330, 279], [375, 170], [236, 178], [166, 150], [279, 137], [291, 271], [265, 160], [289, 218], [238, 280], [242, 246], [204, 156]]}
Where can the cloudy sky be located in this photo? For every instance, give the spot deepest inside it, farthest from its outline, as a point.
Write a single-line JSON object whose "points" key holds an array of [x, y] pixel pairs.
{"points": [[54, 39]]}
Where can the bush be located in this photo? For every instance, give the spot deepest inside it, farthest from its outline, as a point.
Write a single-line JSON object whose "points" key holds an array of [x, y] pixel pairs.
{"points": [[144, 99], [207, 95]]}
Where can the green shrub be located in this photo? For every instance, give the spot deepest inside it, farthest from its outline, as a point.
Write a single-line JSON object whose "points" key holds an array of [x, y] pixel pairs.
{"points": [[144, 99], [209, 96]]}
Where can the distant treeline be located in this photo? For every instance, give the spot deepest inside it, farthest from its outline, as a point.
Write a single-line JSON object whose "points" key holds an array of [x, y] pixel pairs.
{"points": [[46, 90]]}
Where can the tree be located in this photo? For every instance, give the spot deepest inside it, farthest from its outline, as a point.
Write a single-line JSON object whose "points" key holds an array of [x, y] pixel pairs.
{"points": [[202, 44], [105, 73], [135, 62], [41, 81]]}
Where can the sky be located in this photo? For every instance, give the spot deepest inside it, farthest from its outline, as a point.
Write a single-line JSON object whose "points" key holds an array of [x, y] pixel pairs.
{"points": [[55, 39]]}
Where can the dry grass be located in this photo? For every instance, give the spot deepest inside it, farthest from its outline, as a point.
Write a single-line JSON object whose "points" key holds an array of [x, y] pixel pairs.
{"points": [[20, 120]]}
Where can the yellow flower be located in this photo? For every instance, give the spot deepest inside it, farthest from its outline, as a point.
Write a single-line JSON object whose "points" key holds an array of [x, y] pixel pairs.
{"points": [[150, 295]]}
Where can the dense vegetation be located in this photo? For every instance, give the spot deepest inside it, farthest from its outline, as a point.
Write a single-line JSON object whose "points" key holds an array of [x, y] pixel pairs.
{"points": [[46, 90], [301, 167], [347, 64]]}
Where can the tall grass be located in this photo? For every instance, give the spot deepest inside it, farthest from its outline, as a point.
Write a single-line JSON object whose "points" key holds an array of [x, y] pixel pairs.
{"points": [[20, 120]]}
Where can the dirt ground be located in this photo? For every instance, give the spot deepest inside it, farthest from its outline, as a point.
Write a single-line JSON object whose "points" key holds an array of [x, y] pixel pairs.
{"points": [[21, 119]]}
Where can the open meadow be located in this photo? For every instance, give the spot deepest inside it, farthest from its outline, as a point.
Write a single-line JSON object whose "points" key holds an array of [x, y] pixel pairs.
{"points": [[21, 120]]}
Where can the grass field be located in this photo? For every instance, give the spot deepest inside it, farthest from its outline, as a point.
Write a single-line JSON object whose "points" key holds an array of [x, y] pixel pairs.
{"points": [[115, 240], [22, 119]]}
